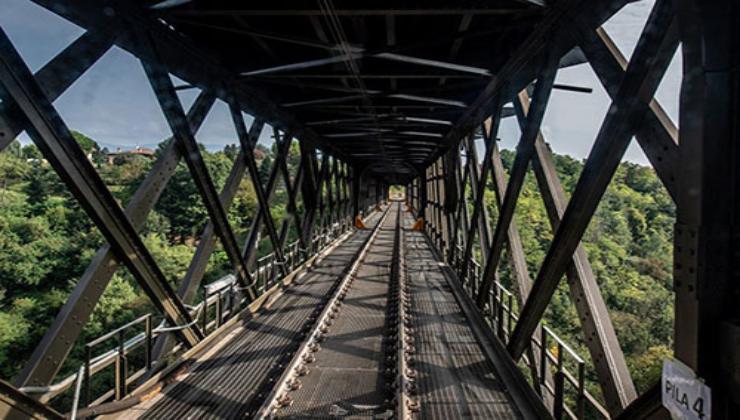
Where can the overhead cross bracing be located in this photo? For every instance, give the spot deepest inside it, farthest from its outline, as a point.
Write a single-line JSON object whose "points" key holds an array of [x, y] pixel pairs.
{"points": [[334, 63], [412, 71]]}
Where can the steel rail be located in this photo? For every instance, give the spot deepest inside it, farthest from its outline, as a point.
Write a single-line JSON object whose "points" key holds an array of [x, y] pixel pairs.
{"points": [[407, 404], [288, 381]]}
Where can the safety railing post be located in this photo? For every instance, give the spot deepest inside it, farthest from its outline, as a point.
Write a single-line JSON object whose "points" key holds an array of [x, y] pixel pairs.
{"points": [[581, 401], [543, 356], [121, 367], [500, 316], [219, 312], [148, 341], [509, 316], [558, 406], [88, 356], [205, 309], [492, 309], [231, 300]]}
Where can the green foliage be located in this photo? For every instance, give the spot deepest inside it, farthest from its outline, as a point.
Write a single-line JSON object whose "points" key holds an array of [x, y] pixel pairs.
{"points": [[629, 246], [264, 169], [181, 202], [87, 144]]}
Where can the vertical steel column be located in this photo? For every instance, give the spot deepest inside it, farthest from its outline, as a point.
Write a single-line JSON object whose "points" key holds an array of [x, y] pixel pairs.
{"points": [[707, 236], [423, 188]]}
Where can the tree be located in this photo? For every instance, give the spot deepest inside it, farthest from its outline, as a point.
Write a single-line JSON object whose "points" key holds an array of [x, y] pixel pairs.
{"points": [[181, 203], [14, 149], [30, 151], [264, 169], [231, 151], [87, 144]]}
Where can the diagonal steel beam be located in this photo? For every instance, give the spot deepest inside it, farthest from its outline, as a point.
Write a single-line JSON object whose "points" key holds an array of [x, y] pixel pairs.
{"points": [[58, 75], [650, 59], [658, 135], [461, 178], [330, 193], [292, 213], [537, 43], [206, 246], [185, 60], [321, 196], [64, 330], [52, 136], [478, 184], [525, 150], [444, 196], [292, 190], [523, 281], [262, 199], [169, 102], [599, 335], [198, 264], [336, 215], [254, 231]]}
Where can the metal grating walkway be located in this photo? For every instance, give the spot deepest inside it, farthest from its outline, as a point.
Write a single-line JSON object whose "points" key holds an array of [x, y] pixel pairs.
{"points": [[347, 378], [455, 378], [225, 384], [354, 370]]}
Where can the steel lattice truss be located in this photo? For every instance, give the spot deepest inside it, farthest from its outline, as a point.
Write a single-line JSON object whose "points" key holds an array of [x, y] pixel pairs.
{"points": [[26, 106], [380, 94]]}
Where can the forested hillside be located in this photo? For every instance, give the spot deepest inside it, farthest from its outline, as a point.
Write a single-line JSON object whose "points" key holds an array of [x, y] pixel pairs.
{"points": [[630, 248], [46, 242]]}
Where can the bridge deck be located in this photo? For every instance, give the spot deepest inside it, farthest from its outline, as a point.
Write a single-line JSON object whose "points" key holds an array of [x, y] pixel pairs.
{"points": [[348, 377], [225, 384], [456, 379], [353, 371]]}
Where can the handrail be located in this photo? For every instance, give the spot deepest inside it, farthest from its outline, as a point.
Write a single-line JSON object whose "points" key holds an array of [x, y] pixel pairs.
{"points": [[501, 316], [92, 365], [118, 330]]}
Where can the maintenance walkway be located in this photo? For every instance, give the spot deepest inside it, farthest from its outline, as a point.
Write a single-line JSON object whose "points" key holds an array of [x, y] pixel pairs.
{"points": [[374, 329]]}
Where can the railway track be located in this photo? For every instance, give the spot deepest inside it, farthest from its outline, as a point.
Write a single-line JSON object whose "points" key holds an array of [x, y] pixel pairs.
{"points": [[391, 343], [351, 363], [233, 380], [386, 339]]}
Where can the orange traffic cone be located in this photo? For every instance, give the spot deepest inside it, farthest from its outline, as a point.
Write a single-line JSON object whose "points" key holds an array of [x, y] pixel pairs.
{"points": [[358, 222], [419, 225]]}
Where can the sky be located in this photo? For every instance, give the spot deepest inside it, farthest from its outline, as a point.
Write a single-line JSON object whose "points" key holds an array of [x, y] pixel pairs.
{"points": [[113, 102]]}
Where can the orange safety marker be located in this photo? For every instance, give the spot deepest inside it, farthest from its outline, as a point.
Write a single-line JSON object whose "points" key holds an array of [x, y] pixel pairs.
{"points": [[419, 225], [358, 222]]}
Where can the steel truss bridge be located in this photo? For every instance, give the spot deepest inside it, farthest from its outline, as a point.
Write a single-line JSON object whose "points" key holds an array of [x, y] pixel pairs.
{"points": [[384, 309]]}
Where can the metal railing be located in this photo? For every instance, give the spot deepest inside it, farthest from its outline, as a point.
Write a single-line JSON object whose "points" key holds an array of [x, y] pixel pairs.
{"points": [[222, 298], [557, 361]]}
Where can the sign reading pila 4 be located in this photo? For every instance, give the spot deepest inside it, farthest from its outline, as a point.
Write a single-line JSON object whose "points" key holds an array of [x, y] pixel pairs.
{"points": [[684, 394]]}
